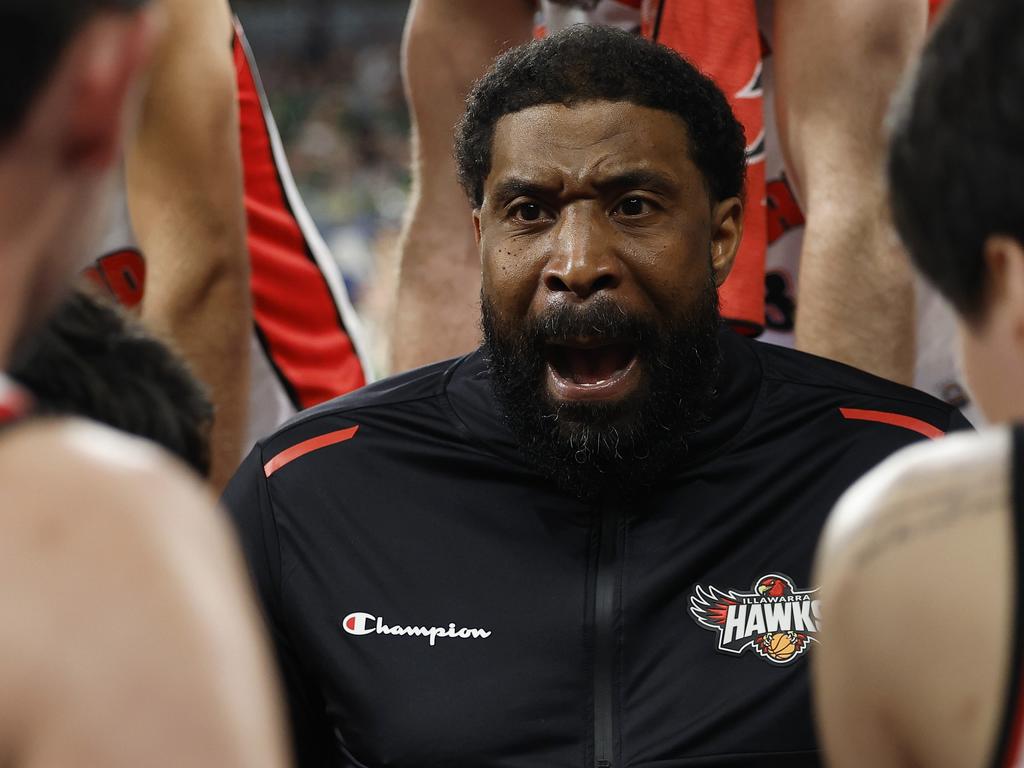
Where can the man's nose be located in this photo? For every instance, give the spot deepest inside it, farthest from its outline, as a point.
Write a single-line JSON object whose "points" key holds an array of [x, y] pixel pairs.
{"points": [[582, 259]]}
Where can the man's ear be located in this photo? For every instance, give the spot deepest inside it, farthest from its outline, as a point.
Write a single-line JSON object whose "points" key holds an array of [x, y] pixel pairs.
{"points": [[476, 225], [726, 233], [1004, 260], [103, 70]]}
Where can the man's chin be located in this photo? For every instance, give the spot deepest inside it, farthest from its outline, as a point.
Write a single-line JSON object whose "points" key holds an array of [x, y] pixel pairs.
{"points": [[595, 416], [600, 402]]}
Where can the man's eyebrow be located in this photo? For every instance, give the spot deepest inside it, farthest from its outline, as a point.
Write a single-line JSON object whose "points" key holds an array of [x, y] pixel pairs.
{"points": [[638, 179], [513, 187]]}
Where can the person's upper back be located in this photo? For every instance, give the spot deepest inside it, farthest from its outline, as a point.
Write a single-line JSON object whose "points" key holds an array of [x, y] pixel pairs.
{"points": [[119, 578], [918, 567]]}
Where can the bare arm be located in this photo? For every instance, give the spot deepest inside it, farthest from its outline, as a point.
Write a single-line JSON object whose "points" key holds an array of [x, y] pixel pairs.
{"points": [[186, 200], [130, 635], [837, 63], [447, 45]]}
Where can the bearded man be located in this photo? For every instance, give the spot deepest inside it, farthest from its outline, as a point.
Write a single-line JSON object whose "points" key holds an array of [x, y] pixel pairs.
{"points": [[588, 542]]}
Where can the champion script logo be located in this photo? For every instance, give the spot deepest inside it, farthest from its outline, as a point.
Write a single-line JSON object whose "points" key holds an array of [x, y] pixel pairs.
{"points": [[367, 624], [776, 620]]}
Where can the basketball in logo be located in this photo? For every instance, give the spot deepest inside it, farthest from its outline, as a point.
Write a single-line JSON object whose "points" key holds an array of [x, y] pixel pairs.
{"points": [[780, 645]]}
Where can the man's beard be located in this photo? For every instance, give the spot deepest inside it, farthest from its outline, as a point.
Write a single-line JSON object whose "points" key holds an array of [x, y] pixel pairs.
{"points": [[616, 449]]}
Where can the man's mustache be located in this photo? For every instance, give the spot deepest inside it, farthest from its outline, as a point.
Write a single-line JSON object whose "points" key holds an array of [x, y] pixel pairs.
{"points": [[601, 318]]}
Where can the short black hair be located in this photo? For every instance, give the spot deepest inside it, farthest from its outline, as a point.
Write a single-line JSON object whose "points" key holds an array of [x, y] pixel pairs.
{"points": [[91, 359], [33, 35], [584, 63], [956, 159]]}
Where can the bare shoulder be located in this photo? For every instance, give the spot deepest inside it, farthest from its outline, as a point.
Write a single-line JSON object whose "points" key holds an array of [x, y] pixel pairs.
{"points": [[125, 602], [936, 484], [82, 474], [915, 570]]}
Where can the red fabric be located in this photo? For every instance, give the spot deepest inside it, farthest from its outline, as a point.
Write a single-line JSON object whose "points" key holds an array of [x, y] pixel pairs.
{"points": [[15, 402], [895, 419], [122, 274], [292, 304], [722, 39], [308, 446]]}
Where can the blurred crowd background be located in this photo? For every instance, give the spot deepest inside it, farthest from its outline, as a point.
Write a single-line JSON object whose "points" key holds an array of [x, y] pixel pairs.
{"points": [[331, 69]]}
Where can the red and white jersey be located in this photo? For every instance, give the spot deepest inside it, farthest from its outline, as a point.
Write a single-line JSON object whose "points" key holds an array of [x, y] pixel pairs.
{"points": [[733, 44], [305, 343], [784, 218]]}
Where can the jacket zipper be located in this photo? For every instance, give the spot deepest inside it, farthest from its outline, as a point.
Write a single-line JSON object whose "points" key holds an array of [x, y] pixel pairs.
{"points": [[604, 640]]}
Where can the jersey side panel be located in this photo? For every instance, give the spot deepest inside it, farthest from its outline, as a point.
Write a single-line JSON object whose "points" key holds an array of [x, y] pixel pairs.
{"points": [[300, 307]]}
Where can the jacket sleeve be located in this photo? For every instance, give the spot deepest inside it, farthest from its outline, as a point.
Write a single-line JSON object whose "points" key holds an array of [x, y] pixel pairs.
{"points": [[247, 500]]}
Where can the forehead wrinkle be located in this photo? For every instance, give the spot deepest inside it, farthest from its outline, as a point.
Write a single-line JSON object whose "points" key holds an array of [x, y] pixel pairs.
{"points": [[614, 133], [551, 171]]}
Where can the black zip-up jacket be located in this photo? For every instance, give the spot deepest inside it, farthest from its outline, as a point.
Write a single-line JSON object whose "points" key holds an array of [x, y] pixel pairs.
{"points": [[436, 602]]}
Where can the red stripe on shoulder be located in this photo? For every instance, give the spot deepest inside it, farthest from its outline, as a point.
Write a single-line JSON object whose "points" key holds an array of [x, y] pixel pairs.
{"points": [[895, 419], [289, 455]]}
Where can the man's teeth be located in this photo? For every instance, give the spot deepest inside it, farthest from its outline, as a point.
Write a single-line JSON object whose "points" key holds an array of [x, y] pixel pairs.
{"points": [[592, 365]]}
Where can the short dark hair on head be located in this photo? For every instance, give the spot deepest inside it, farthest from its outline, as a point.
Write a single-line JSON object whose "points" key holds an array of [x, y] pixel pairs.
{"points": [[92, 360], [584, 63], [956, 160], [33, 35]]}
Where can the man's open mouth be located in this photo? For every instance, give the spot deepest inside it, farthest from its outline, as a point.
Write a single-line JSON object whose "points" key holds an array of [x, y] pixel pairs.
{"points": [[591, 368]]}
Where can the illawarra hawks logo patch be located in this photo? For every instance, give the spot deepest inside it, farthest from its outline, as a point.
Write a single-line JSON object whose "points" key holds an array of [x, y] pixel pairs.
{"points": [[776, 620]]}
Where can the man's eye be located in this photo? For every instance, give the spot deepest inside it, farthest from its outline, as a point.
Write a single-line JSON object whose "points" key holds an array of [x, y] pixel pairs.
{"points": [[527, 212], [633, 206]]}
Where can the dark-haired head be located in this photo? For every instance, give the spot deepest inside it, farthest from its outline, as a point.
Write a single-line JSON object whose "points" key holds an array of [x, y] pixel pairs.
{"points": [[956, 163], [584, 64], [92, 360]]}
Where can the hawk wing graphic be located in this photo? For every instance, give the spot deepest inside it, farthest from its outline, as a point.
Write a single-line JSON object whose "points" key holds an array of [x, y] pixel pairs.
{"points": [[710, 606]]}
